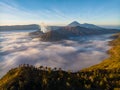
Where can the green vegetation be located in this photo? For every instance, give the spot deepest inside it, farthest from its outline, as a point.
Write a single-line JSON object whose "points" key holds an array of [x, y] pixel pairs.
{"points": [[104, 76]]}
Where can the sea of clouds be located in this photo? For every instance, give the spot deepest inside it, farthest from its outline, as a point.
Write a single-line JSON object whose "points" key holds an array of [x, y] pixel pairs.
{"points": [[19, 48]]}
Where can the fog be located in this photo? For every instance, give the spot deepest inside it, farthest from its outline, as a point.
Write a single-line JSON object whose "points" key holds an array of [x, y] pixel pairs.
{"points": [[17, 47]]}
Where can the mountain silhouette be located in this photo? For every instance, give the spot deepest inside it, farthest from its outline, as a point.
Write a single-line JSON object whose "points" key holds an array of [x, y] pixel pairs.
{"points": [[85, 25]]}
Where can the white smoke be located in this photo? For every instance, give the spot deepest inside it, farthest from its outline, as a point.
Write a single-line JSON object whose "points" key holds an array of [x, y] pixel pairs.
{"points": [[44, 27]]}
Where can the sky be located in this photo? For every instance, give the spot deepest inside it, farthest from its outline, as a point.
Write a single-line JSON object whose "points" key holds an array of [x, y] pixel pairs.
{"points": [[59, 12]]}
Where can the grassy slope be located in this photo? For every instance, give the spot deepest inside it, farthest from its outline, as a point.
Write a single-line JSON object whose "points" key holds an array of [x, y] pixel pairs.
{"points": [[12, 74], [31, 78]]}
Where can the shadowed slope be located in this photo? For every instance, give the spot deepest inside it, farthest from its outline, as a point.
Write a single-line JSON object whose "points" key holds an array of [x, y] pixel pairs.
{"points": [[67, 32], [44, 78]]}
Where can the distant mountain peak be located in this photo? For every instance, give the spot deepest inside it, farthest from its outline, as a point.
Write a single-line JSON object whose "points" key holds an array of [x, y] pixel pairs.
{"points": [[85, 25], [74, 24]]}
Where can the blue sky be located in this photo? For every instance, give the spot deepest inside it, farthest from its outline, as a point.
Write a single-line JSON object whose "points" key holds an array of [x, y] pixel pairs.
{"points": [[59, 12]]}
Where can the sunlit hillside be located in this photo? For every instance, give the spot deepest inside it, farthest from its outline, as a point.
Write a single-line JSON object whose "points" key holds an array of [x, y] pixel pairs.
{"points": [[113, 62]]}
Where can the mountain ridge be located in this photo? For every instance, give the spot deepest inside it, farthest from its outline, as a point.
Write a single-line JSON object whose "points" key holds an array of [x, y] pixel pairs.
{"points": [[67, 32], [74, 24], [85, 25], [20, 27]]}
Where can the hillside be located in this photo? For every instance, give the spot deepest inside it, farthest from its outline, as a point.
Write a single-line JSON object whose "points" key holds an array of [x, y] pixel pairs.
{"points": [[67, 32], [28, 77], [20, 27], [104, 76], [113, 62]]}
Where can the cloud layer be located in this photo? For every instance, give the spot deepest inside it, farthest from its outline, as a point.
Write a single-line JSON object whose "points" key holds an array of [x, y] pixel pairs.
{"points": [[19, 48]]}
